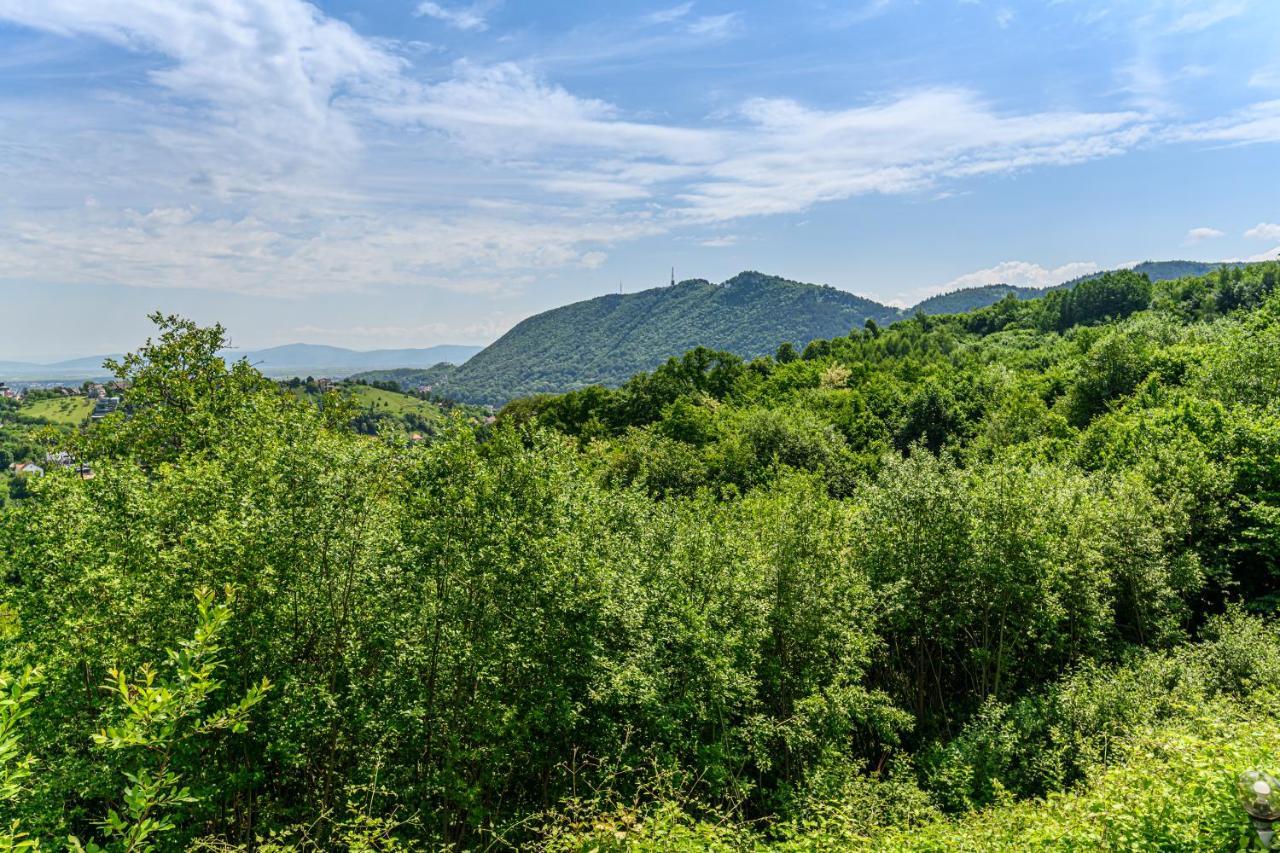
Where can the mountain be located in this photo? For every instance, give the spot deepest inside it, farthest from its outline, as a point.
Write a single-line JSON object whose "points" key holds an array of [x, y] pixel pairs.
{"points": [[608, 339], [288, 360]]}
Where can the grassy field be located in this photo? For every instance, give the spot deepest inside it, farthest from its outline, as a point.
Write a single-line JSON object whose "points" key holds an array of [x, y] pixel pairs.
{"points": [[65, 411], [367, 397]]}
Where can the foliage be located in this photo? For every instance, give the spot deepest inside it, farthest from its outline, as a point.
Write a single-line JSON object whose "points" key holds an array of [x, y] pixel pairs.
{"points": [[159, 719], [928, 585]]}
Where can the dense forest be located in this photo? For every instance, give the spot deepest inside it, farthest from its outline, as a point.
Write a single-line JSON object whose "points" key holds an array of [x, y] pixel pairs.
{"points": [[995, 580]]}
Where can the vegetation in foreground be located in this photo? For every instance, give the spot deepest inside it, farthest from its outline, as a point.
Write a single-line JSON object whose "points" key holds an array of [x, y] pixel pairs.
{"points": [[991, 581]]}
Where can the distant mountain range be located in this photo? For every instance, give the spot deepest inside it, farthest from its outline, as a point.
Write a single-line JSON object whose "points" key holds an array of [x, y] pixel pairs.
{"points": [[301, 359], [608, 339], [287, 360]]}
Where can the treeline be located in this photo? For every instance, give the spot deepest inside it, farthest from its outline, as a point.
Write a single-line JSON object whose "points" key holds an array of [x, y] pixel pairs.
{"points": [[843, 597]]}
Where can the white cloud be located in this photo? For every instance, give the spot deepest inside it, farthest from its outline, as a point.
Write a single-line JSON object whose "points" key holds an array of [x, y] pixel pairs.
{"points": [[277, 150], [720, 242], [1196, 235], [793, 157], [467, 18], [1020, 274], [185, 248], [1264, 231], [503, 110], [1258, 122], [1005, 17], [1267, 77]]}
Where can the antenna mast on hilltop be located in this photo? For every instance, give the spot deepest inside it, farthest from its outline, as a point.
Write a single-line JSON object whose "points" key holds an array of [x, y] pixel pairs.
{"points": [[673, 276]]}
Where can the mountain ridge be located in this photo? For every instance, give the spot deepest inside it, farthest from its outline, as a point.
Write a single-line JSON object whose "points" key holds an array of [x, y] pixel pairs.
{"points": [[607, 339], [283, 360], [613, 336]]}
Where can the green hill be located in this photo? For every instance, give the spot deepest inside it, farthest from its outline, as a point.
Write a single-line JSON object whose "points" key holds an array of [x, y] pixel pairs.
{"points": [[376, 409], [379, 400], [608, 339]]}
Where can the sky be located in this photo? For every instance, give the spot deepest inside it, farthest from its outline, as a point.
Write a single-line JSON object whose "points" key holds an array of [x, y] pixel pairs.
{"points": [[395, 173]]}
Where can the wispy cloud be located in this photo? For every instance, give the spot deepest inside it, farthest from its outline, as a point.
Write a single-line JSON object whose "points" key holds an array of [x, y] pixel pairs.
{"points": [[716, 26], [1259, 122], [1266, 77], [469, 18], [1199, 235], [1207, 14], [793, 156], [861, 12], [666, 16], [720, 242]]}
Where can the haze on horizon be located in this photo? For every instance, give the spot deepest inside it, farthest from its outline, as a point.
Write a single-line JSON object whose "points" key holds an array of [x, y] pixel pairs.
{"points": [[417, 173]]}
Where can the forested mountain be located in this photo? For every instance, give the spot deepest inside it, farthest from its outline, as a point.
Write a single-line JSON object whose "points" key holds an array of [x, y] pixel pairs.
{"points": [[1001, 580], [608, 339]]}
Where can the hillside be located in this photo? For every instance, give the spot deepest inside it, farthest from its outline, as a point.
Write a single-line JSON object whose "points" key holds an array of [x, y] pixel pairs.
{"points": [[608, 339], [374, 410], [63, 411]]}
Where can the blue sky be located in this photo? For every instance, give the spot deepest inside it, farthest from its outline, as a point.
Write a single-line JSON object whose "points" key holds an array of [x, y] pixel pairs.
{"points": [[401, 173]]}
